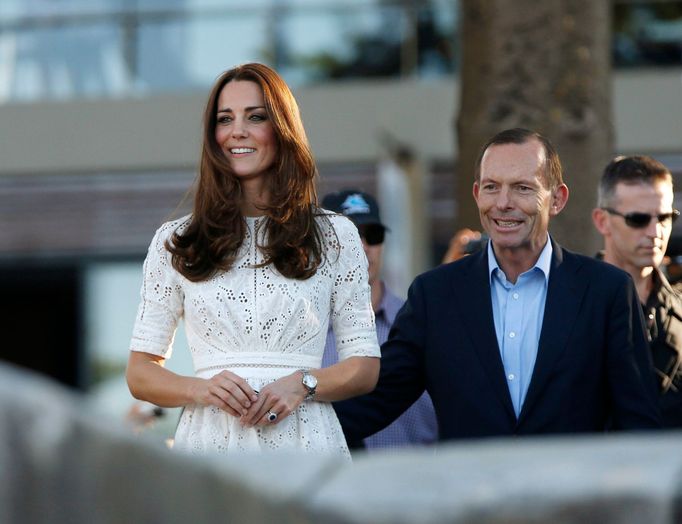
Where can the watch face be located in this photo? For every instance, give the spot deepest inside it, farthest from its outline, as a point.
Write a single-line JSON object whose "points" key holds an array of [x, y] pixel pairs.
{"points": [[309, 381]]}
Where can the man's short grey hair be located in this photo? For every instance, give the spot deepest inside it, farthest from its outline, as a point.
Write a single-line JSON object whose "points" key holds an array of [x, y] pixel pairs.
{"points": [[630, 170]]}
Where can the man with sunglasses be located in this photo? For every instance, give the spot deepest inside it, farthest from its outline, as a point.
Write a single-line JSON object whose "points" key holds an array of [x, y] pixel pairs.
{"points": [[522, 337], [417, 426], [635, 216]]}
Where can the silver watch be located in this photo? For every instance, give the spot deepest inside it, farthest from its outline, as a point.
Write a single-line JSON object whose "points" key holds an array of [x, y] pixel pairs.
{"points": [[309, 383]]}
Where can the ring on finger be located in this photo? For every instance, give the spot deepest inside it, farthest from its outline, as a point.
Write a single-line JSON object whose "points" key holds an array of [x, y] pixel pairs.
{"points": [[271, 416]]}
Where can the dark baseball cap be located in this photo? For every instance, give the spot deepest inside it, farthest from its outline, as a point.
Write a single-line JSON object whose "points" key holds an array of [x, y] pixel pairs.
{"points": [[359, 206]]}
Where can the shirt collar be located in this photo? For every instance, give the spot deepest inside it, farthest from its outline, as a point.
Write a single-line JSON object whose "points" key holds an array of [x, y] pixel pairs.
{"points": [[543, 262], [661, 288]]}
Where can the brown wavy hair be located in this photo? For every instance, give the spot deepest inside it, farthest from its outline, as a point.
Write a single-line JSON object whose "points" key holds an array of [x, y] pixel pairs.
{"points": [[295, 243]]}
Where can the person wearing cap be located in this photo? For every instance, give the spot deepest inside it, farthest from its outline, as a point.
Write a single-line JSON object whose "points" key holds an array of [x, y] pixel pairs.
{"points": [[635, 216], [417, 426]]}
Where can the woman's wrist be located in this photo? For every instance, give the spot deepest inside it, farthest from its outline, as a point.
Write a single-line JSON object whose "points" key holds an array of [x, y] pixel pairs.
{"points": [[192, 396]]}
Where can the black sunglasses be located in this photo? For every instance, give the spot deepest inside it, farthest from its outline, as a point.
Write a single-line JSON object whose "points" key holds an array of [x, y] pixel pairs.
{"points": [[373, 234], [642, 220]]}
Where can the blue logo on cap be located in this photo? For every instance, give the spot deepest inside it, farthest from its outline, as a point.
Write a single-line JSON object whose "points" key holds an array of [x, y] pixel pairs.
{"points": [[355, 204]]}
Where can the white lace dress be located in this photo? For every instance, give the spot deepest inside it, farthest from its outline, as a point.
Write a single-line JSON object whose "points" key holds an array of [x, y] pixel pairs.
{"points": [[261, 326]]}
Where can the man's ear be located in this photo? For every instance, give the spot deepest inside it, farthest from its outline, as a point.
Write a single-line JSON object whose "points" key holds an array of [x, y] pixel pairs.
{"points": [[559, 199], [599, 219], [475, 191]]}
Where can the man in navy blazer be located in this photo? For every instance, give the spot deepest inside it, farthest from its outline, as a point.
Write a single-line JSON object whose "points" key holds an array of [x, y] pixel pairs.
{"points": [[523, 337]]}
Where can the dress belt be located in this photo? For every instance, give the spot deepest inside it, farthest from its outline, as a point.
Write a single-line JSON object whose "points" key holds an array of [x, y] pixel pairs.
{"points": [[255, 359]]}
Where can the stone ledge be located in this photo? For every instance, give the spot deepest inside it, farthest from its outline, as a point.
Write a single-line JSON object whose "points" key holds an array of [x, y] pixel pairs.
{"points": [[628, 478], [60, 462]]}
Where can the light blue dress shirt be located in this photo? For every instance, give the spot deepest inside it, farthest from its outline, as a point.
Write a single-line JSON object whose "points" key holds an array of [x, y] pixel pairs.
{"points": [[518, 310]]}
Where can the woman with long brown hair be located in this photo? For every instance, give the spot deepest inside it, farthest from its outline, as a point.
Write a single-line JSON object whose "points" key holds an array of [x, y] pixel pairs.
{"points": [[257, 271]]}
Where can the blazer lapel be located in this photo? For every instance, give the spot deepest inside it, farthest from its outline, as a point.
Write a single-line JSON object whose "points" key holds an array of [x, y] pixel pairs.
{"points": [[565, 292], [477, 312]]}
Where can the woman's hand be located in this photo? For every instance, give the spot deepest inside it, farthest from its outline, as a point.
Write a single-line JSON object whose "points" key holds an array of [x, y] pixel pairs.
{"points": [[226, 391], [280, 397]]}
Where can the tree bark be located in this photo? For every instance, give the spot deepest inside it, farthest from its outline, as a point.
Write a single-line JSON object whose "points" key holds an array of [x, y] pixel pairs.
{"points": [[544, 66]]}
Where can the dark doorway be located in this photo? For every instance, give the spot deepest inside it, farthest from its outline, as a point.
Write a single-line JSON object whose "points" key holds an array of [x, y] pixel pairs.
{"points": [[40, 308]]}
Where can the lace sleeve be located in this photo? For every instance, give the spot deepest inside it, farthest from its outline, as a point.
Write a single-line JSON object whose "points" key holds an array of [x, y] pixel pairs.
{"points": [[352, 315], [161, 304]]}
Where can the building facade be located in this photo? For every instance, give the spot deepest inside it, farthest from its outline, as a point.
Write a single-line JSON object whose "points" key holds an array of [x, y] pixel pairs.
{"points": [[100, 121]]}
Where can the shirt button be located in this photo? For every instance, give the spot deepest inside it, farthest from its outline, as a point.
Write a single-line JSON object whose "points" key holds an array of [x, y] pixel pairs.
{"points": [[512, 334], [511, 376], [516, 296]]}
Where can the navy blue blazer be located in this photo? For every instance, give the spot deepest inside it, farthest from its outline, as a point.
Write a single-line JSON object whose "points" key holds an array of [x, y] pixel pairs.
{"points": [[593, 368]]}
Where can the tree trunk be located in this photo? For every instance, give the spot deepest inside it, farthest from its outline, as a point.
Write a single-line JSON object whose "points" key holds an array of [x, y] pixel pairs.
{"points": [[544, 66]]}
